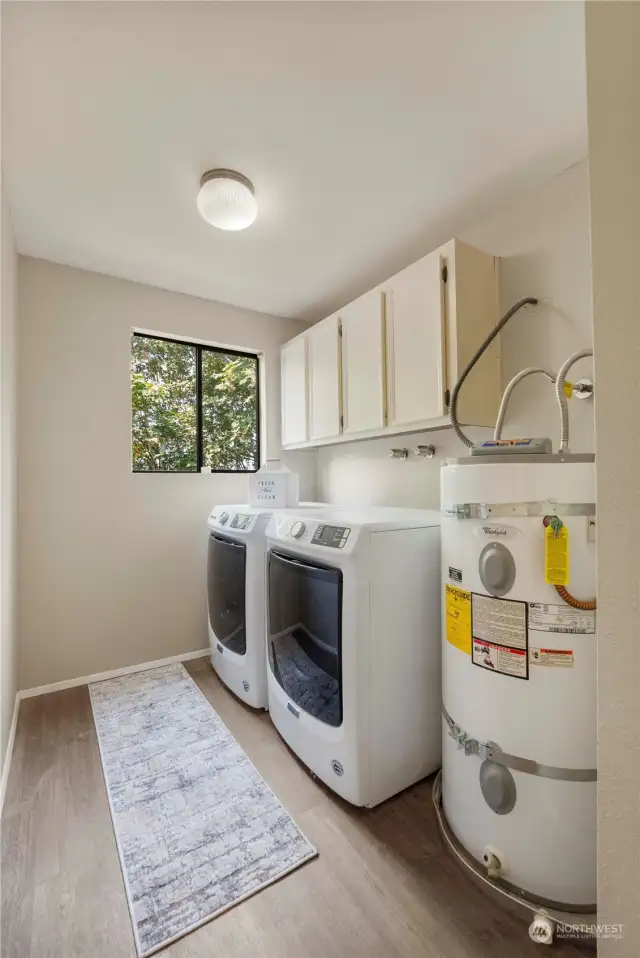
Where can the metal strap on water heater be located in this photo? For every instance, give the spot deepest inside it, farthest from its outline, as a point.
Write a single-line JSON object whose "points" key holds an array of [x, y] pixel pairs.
{"points": [[488, 751], [495, 510]]}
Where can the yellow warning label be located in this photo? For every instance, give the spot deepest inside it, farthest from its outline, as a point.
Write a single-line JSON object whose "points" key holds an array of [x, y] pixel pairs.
{"points": [[556, 556], [458, 618]]}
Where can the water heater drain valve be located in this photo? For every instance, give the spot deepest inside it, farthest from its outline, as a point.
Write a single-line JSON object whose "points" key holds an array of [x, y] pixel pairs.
{"points": [[494, 861]]}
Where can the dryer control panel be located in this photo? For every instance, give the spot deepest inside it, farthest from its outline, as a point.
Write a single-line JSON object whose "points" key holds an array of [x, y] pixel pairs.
{"points": [[314, 536], [334, 537]]}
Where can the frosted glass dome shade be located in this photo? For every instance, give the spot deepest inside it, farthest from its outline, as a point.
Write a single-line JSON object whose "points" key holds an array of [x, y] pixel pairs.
{"points": [[226, 200]]}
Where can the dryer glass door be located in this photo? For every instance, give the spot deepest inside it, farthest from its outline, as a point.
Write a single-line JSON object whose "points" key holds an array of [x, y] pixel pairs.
{"points": [[305, 634], [226, 584]]}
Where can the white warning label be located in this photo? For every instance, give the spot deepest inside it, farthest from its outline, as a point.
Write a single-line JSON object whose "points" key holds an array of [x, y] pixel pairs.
{"points": [[500, 659], [503, 621], [553, 658], [546, 617]]}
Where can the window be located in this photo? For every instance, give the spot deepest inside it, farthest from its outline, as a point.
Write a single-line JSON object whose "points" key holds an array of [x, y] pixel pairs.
{"points": [[193, 406]]}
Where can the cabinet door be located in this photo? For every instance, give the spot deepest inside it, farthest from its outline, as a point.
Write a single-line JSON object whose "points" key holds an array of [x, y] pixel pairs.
{"points": [[415, 342], [294, 391], [363, 364], [324, 379]]}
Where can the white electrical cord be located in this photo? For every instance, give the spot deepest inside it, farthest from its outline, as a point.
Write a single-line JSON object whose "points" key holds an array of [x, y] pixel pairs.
{"points": [[507, 394], [562, 399]]}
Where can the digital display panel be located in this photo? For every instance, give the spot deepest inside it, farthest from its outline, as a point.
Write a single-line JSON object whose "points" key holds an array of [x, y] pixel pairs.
{"points": [[240, 521], [332, 536]]}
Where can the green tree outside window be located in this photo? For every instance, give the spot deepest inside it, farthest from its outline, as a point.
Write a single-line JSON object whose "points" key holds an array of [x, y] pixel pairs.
{"points": [[178, 427]]}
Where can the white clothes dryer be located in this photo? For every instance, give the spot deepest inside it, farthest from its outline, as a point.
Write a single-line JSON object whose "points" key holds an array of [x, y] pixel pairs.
{"points": [[236, 596], [353, 645]]}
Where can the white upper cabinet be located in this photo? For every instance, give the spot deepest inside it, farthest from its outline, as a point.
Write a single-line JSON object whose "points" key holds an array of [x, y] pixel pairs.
{"points": [[294, 391], [415, 342], [324, 379], [472, 304], [363, 364], [387, 363]]}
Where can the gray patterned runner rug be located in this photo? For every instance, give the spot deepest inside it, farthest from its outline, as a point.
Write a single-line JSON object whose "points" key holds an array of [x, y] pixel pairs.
{"points": [[198, 829]]}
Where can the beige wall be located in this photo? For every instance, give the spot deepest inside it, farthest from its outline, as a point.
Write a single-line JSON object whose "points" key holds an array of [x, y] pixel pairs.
{"points": [[613, 85], [8, 485], [112, 564], [544, 241]]}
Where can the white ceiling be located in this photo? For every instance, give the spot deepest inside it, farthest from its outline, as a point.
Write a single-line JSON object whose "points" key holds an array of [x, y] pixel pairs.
{"points": [[371, 131]]}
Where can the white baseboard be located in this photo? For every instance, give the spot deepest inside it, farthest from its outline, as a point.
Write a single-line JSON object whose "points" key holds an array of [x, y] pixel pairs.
{"points": [[9, 752], [72, 683], [114, 673]]}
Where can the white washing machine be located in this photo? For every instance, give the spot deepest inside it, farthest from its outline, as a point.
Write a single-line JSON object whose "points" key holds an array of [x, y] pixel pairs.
{"points": [[354, 645], [236, 595]]}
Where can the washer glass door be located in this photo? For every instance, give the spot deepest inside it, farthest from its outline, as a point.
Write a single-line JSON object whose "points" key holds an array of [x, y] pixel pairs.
{"points": [[226, 586], [305, 634]]}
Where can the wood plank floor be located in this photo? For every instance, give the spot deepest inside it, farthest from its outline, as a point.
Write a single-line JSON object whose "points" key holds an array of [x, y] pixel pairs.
{"points": [[382, 887]]}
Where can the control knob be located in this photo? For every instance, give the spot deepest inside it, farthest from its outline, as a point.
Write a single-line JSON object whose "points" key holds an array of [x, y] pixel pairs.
{"points": [[297, 529], [224, 518]]}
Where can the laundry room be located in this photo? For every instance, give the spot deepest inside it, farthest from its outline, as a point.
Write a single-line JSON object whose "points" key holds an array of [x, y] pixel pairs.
{"points": [[319, 575]]}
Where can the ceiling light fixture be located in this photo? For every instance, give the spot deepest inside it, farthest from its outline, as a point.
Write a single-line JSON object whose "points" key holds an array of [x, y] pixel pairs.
{"points": [[226, 200]]}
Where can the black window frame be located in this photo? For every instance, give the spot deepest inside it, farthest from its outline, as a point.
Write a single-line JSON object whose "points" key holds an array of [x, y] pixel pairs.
{"points": [[200, 348]]}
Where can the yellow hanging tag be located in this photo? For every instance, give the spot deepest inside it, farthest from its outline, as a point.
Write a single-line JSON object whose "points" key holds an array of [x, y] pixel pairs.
{"points": [[556, 556], [568, 389], [458, 618]]}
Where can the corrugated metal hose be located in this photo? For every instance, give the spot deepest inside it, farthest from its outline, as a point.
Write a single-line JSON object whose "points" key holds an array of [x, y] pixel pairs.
{"points": [[453, 410], [530, 371], [587, 605], [576, 603], [565, 595], [561, 397]]}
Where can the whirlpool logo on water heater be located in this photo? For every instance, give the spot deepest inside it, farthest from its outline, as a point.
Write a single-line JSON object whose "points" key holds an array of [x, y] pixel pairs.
{"points": [[494, 530]]}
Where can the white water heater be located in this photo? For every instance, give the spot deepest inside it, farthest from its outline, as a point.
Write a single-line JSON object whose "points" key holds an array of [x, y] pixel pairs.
{"points": [[519, 670]]}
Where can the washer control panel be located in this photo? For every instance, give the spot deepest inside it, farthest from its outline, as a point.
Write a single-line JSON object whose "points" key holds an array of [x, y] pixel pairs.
{"points": [[334, 537], [241, 521]]}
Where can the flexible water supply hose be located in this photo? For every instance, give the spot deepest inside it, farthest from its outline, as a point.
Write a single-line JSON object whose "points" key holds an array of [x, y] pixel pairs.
{"points": [[587, 606], [562, 399], [453, 410], [507, 394]]}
